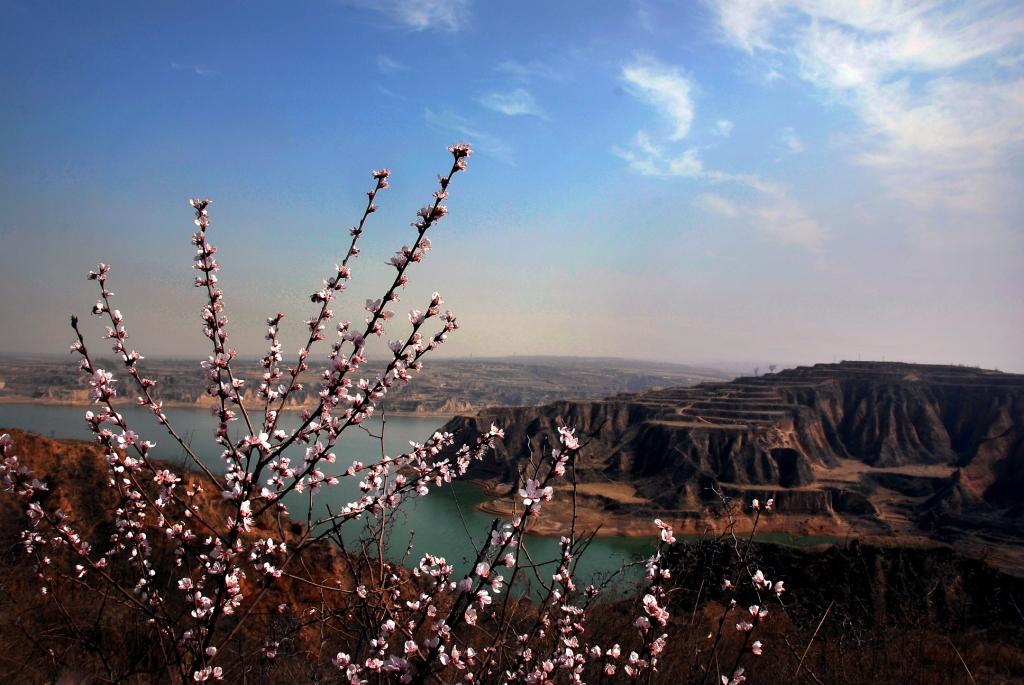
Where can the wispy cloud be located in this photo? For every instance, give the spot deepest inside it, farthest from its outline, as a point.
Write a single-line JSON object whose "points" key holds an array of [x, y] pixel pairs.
{"points": [[774, 214], [667, 90], [937, 87], [791, 141], [387, 65], [513, 103], [390, 93], [650, 159], [421, 15], [716, 204], [197, 69], [773, 211], [482, 142], [785, 221], [643, 15], [664, 87], [554, 67]]}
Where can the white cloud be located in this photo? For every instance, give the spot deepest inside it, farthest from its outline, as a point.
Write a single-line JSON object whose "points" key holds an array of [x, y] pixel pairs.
{"points": [[716, 204], [666, 88], [668, 91], [785, 221], [482, 142], [420, 15], [387, 65], [773, 212], [513, 103], [744, 21], [649, 159], [923, 33], [791, 141], [937, 87]]}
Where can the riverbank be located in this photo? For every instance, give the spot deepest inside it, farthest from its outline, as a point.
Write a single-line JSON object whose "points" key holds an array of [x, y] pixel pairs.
{"points": [[617, 513], [443, 416], [629, 516]]}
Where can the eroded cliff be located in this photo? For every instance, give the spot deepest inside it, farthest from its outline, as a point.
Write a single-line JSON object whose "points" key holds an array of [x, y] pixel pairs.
{"points": [[890, 443]]}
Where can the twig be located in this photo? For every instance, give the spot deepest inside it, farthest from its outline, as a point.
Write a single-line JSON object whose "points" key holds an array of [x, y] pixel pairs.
{"points": [[959, 656], [811, 641]]}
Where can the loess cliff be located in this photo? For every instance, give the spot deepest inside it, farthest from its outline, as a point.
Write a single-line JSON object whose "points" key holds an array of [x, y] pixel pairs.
{"points": [[874, 446]]}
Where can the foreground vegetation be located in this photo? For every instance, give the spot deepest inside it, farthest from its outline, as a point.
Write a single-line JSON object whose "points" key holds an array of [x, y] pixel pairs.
{"points": [[118, 568], [886, 615]]}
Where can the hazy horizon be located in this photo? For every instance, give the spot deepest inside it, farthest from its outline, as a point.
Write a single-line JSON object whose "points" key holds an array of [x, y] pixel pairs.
{"points": [[692, 183], [737, 368]]}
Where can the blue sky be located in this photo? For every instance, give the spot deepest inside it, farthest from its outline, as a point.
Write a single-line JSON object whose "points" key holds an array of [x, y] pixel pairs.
{"points": [[754, 181]]}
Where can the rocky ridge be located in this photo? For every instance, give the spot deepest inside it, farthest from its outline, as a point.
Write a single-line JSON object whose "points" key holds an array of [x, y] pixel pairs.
{"points": [[867, 446]]}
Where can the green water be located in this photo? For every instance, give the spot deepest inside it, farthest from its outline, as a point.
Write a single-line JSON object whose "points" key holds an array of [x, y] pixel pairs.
{"points": [[439, 522], [784, 539], [445, 522]]}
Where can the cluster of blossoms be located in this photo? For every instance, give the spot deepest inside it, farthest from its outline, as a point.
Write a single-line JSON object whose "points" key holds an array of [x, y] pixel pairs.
{"points": [[231, 542], [218, 555], [746, 620]]}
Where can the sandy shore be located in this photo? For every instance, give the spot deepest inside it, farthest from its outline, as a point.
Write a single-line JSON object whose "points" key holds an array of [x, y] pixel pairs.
{"points": [[556, 517]]}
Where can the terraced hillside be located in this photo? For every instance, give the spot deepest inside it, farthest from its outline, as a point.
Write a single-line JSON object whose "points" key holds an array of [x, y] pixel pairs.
{"points": [[892, 445]]}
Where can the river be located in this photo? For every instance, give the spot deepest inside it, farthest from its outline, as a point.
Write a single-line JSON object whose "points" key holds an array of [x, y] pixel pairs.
{"points": [[440, 520]]}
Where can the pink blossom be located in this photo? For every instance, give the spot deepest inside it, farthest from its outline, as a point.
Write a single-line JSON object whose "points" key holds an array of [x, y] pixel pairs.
{"points": [[737, 678], [568, 438], [533, 493], [666, 532], [470, 615]]}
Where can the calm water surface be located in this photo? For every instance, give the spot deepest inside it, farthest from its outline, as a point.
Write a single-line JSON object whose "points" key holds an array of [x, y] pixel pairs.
{"points": [[440, 520]]}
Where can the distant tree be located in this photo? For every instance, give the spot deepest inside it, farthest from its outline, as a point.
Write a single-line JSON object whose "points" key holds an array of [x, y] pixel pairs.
{"points": [[757, 370], [771, 368]]}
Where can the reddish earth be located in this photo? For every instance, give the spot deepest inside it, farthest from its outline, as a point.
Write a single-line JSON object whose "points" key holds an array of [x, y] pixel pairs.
{"points": [[896, 453]]}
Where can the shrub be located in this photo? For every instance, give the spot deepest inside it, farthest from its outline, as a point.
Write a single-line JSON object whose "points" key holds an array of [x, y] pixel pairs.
{"points": [[208, 576]]}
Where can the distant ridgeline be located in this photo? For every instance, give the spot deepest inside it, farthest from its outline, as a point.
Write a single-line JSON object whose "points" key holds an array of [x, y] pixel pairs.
{"points": [[891, 442], [445, 387]]}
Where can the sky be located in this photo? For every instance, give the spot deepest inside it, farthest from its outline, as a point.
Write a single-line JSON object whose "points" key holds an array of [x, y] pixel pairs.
{"points": [[743, 182]]}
